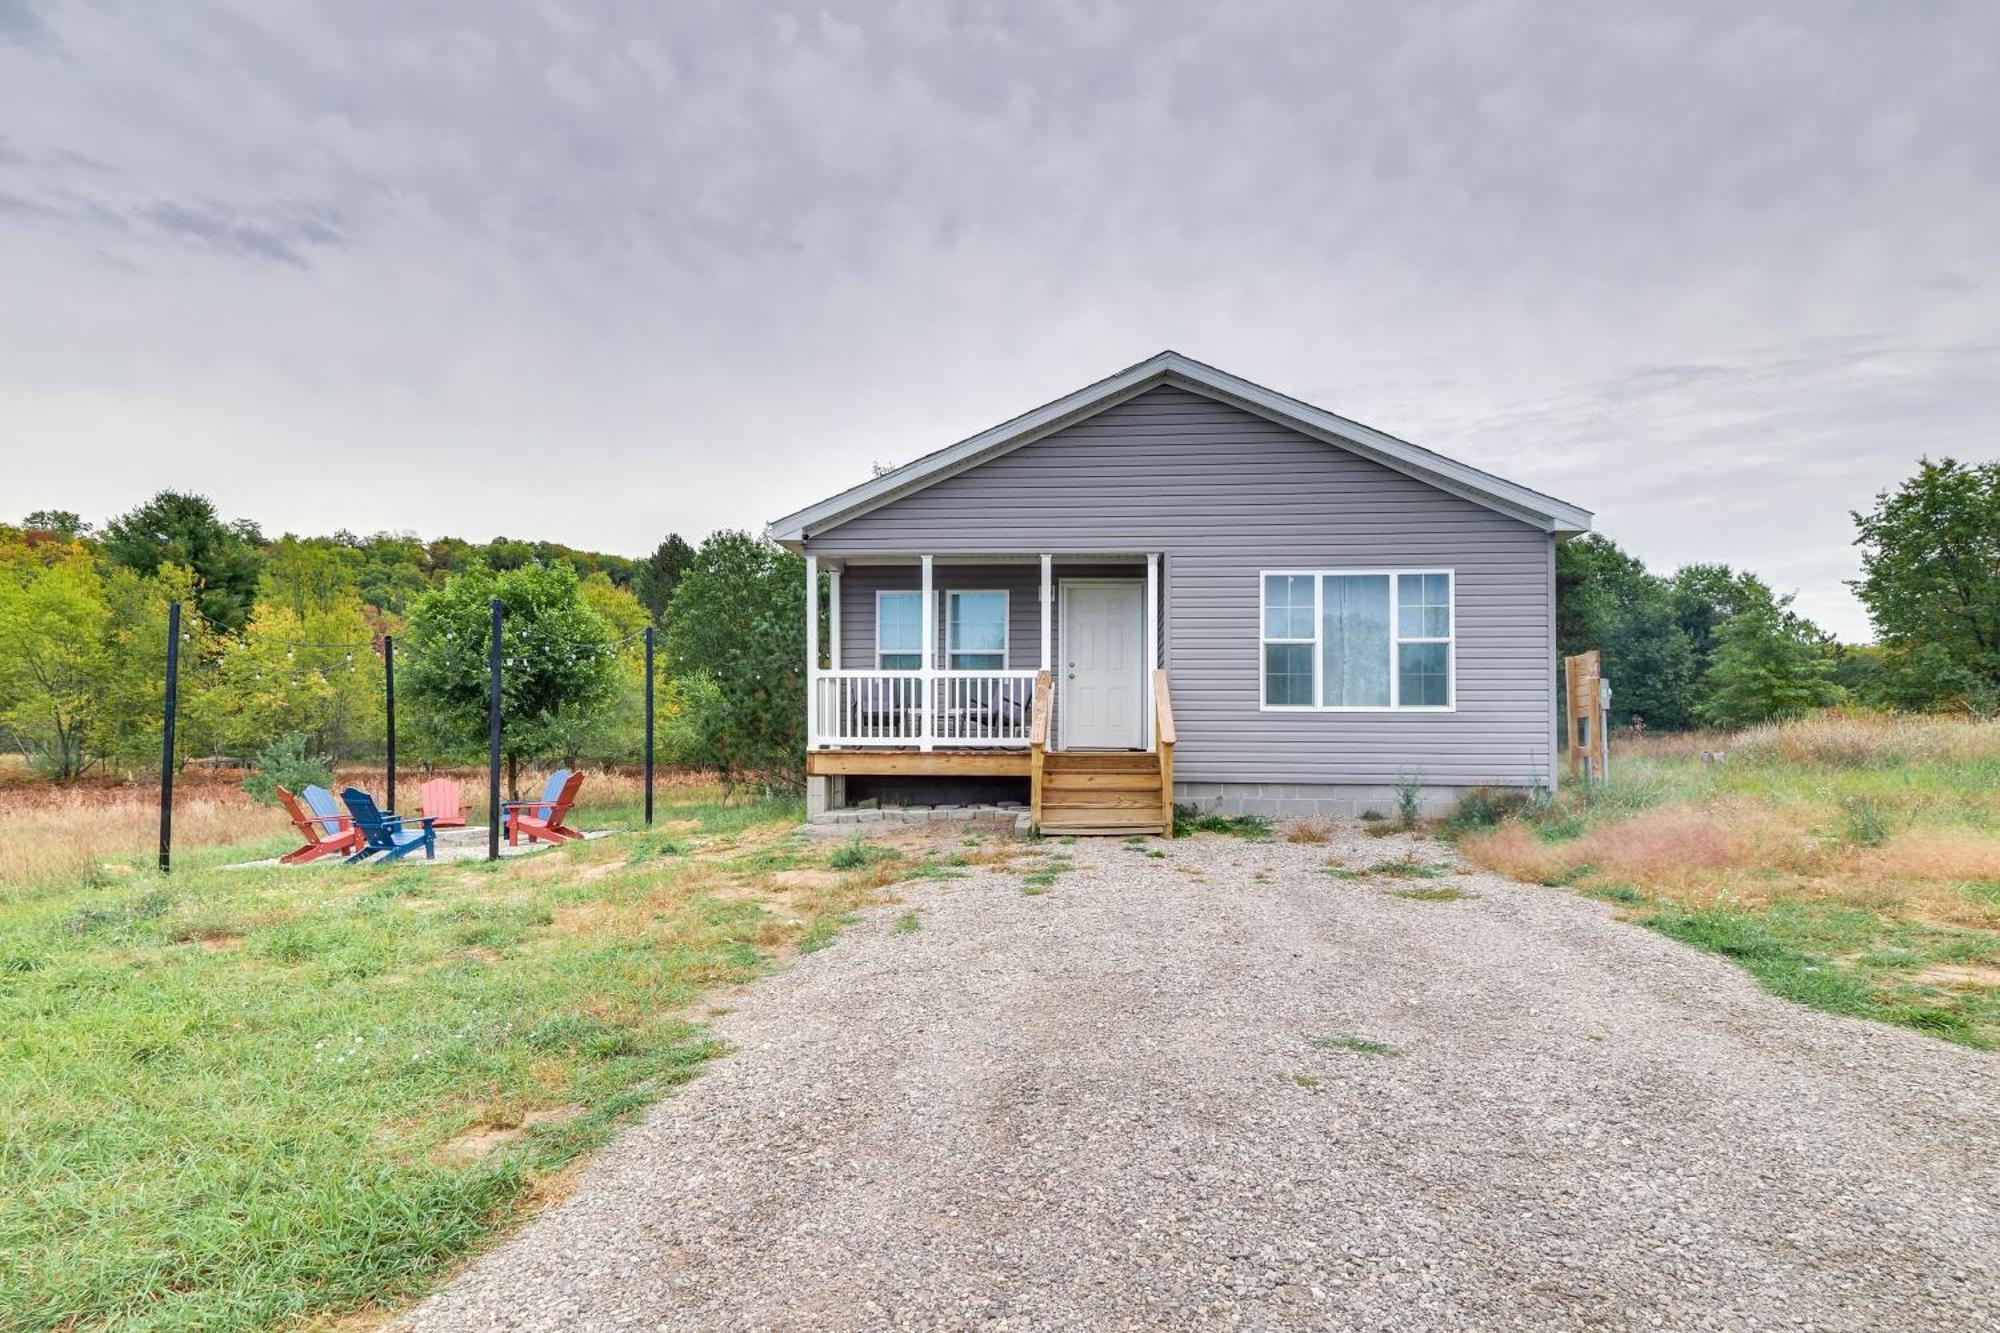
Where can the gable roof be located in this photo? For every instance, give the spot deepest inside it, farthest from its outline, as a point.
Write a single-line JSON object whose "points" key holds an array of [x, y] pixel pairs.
{"points": [[1171, 368]]}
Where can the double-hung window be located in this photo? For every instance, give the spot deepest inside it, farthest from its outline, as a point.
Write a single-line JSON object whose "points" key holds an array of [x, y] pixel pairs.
{"points": [[976, 630], [1362, 639], [899, 631]]}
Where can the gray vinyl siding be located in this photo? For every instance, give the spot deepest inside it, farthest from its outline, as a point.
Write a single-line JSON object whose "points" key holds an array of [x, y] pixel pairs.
{"points": [[1224, 494]]}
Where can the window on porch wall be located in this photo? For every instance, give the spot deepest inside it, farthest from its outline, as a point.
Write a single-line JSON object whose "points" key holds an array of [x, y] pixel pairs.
{"points": [[899, 631], [976, 631]]}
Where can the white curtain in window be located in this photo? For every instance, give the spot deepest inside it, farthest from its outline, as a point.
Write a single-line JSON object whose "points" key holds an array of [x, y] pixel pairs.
{"points": [[1354, 633]]}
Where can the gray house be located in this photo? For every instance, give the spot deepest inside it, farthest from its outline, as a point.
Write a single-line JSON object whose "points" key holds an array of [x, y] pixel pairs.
{"points": [[1174, 584]]}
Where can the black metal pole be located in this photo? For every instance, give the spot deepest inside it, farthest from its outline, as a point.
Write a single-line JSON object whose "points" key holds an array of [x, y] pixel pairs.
{"points": [[649, 726], [167, 738], [389, 705], [493, 741]]}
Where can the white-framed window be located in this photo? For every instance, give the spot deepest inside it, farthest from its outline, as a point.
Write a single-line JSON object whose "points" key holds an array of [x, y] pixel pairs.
{"points": [[975, 633], [1357, 639], [899, 630]]}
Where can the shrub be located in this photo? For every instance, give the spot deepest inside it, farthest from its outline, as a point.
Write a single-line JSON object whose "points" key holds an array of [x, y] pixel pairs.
{"points": [[854, 854], [285, 763], [1409, 801], [1484, 808], [1864, 822]]}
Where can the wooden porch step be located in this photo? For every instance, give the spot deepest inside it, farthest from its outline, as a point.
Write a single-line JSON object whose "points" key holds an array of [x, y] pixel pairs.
{"points": [[1112, 822], [1061, 802], [1100, 761], [1105, 831], [1064, 780]]}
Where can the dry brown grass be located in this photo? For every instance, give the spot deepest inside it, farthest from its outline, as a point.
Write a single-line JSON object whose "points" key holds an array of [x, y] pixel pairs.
{"points": [[68, 837], [1867, 740], [63, 835], [1744, 852], [1309, 830]]}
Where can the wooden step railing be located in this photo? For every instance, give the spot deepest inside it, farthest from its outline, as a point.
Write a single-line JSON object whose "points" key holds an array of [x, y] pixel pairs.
{"points": [[1163, 741], [1038, 742]]}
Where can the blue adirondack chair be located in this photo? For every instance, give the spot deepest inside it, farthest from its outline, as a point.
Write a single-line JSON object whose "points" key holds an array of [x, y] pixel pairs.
{"points": [[535, 809], [384, 835]]}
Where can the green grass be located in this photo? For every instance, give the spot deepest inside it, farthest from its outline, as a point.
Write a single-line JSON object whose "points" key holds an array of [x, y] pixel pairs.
{"points": [[906, 924], [1190, 820], [236, 1099], [854, 854], [1407, 868], [1844, 860], [1852, 962], [1438, 895], [1352, 1044]]}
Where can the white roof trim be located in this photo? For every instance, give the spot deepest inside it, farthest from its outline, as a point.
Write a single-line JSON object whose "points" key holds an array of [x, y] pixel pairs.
{"points": [[1448, 474]]}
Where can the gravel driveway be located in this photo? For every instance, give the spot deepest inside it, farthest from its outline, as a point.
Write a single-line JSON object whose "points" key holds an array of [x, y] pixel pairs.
{"points": [[1102, 1107]]}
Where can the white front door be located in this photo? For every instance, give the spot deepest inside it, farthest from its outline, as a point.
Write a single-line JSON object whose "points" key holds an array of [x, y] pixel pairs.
{"points": [[1102, 688]]}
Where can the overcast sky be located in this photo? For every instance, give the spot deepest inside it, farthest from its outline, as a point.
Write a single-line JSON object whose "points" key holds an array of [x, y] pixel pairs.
{"points": [[596, 272]]}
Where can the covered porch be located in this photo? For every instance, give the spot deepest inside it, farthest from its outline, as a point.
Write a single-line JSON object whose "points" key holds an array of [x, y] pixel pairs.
{"points": [[992, 666]]}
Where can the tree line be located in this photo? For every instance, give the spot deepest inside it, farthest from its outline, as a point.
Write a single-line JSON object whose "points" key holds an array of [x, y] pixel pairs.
{"points": [[284, 637], [1709, 645], [283, 641]]}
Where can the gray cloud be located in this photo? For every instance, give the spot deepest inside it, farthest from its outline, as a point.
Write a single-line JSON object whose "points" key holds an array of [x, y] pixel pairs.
{"points": [[20, 23], [1718, 273]]}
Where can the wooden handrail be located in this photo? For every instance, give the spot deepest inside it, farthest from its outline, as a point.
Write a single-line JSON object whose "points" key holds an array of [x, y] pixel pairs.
{"points": [[1038, 742], [1163, 739], [1038, 721]]}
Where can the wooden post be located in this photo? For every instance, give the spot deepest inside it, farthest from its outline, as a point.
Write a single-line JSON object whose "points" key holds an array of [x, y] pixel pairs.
{"points": [[1163, 702], [649, 725], [1589, 700], [493, 740], [167, 738], [389, 712], [1038, 744]]}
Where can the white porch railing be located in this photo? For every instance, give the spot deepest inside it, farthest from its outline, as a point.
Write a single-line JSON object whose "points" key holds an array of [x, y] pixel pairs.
{"points": [[922, 709]]}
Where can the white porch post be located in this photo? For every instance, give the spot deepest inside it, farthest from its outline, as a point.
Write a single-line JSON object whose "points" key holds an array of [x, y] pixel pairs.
{"points": [[1152, 636], [927, 706], [1048, 600], [812, 652], [833, 617]]}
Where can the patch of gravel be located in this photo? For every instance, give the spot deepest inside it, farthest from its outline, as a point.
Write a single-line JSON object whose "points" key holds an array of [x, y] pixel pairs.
{"points": [[1101, 1107]]}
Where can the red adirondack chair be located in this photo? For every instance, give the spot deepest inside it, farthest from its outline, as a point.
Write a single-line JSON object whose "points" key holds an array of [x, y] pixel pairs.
{"points": [[543, 819], [442, 804], [328, 834]]}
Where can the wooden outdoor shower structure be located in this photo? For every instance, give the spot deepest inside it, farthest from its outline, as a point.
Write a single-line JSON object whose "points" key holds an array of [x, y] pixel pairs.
{"points": [[1589, 696]]}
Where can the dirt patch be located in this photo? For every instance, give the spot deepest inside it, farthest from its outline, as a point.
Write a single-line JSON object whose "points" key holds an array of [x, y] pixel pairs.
{"points": [[483, 1140], [804, 879], [479, 1142], [1960, 974]]}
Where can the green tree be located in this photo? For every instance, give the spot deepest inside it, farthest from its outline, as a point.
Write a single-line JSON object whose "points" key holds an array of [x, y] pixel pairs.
{"points": [[1930, 561], [612, 730], [737, 621], [1606, 599], [307, 576], [659, 573], [53, 618], [557, 659], [1770, 664], [316, 676], [64, 523], [178, 528], [127, 728]]}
